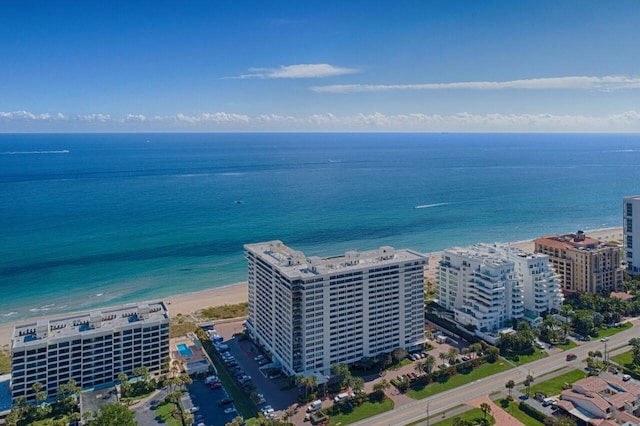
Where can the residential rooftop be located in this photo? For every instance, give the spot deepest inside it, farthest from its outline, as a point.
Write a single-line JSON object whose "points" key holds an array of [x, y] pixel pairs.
{"points": [[566, 241], [294, 264], [487, 254], [63, 328]]}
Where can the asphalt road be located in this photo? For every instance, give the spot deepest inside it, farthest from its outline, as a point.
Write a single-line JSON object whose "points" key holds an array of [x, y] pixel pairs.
{"points": [[454, 397]]}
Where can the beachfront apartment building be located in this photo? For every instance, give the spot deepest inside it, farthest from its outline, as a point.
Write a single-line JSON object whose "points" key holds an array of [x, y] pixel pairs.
{"points": [[630, 214], [480, 286], [541, 286], [311, 313], [92, 348], [585, 265]]}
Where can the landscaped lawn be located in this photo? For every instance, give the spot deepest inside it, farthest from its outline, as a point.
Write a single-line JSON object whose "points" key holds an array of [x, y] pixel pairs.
{"points": [[564, 346], [163, 412], [554, 386], [523, 359], [614, 330], [471, 416], [362, 411], [459, 379], [513, 408], [625, 359]]}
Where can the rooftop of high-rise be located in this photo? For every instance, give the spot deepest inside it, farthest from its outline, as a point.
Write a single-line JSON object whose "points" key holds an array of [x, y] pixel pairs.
{"points": [[295, 264], [85, 323]]}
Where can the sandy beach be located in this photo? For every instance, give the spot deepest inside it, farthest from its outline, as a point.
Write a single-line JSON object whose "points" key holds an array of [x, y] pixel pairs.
{"points": [[190, 303]]}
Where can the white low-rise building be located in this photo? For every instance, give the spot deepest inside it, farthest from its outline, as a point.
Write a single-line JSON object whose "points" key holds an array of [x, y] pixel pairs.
{"points": [[312, 313]]}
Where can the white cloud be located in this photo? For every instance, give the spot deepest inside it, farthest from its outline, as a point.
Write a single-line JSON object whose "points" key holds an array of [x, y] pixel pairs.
{"points": [[605, 83], [298, 71], [26, 121]]}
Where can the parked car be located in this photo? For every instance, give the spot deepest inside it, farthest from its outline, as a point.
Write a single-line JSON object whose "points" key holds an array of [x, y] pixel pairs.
{"points": [[216, 385], [604, 339], [626, 377], [230, 410], [225, 401]]}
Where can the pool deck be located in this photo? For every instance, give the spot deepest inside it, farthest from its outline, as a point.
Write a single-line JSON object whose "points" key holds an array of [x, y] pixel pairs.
{"points": [[190, 364]]}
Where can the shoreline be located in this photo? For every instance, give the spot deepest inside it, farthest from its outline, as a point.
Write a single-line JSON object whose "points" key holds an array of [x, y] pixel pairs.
{"points": [[190, 303]]}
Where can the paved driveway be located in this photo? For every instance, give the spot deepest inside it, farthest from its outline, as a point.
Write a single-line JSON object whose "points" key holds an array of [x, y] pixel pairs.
{"points": [[207, 399]]}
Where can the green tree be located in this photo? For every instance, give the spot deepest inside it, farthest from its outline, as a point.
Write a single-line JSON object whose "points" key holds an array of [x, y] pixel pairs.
{"points": [[429, 362], [114, 415], [486, 409], [357, 385], [527, 383], [125, 386], [452, 354], [443, 358], [510, 385], [399, 354]]}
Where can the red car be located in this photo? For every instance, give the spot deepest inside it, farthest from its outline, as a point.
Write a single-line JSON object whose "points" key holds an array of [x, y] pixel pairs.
{"points": [[216, 385]]}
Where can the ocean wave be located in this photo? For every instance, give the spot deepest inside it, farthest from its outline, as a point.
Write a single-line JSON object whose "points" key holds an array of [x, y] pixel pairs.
{"points": [[428, 206], [621, 150], [62, 151], [9, 314], [43, 308]]}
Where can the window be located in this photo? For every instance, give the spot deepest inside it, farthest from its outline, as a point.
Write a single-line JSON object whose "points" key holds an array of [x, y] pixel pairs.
{"points": [[629, 209], [629, 241]]}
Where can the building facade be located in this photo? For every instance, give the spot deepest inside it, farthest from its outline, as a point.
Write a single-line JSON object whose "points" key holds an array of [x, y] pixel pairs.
{"points": [[630, 214], [586, 265], [480, 286], [311, 313], [92, 348], [541, 286]]}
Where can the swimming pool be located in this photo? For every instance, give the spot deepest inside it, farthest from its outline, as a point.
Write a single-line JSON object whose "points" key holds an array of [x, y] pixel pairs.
{"points": [[184, 350]]}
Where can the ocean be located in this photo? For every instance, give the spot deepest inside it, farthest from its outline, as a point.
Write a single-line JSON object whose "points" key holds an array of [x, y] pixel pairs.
{"points": [[89, 220]]}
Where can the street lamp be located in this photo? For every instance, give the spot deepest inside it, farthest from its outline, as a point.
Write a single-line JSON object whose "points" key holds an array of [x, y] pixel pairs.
{"points": [[428, 413]]}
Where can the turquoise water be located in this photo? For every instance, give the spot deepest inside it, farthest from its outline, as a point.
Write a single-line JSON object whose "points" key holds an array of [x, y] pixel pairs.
{"points": [[95, 220], [184, 350]]}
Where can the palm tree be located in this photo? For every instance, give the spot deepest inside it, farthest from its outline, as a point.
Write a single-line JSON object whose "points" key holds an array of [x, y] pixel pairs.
{"points": [[429, 362], [452, 354], [635, 342], [357, 384], [419, 367], [474, 348], [510, 385], [527, 383], [381, 386], [486, 409], [443, 357]]}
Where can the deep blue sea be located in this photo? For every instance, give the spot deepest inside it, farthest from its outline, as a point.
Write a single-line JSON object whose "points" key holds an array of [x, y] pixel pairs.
{"points": [[88, 220]]}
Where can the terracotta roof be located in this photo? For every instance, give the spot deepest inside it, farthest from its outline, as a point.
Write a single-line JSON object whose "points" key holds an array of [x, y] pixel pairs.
{"points": [[621, 295], [618, 400], [627, 386], [588, 397], [593, 384], [627, 417]]}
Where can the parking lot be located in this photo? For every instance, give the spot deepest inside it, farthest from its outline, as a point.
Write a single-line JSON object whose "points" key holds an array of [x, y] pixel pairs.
{"points": [[206, 399]]}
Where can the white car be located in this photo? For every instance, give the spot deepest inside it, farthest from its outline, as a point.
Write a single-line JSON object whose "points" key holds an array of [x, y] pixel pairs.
{"points": [[230, 410], [266, 408], [604, 339], [626, 377]]}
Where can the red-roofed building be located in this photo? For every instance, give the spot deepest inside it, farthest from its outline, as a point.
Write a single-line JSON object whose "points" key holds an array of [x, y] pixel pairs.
{"points": [[585, 264], [602, 401]]}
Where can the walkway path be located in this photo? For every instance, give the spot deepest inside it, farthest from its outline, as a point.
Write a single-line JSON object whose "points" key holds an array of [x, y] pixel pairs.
{"points": [[502, 417]]}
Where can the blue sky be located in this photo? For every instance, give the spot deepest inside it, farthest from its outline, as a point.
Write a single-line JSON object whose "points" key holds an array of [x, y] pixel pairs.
{"points": [[320, 66]]}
